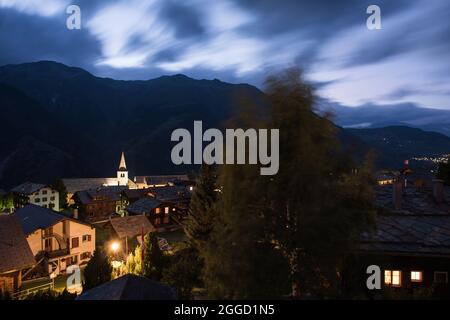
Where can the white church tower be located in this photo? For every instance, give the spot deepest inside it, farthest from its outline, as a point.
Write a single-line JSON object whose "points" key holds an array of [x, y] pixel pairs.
{"points": [[122, 173]]}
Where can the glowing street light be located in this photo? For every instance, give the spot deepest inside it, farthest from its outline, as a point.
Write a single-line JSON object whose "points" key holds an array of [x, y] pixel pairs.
{"points": [[115, 246]]}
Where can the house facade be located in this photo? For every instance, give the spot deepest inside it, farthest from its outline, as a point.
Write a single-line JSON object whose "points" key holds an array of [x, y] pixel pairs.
{"points": [[56, 240], [37, 194], [410, 244]]}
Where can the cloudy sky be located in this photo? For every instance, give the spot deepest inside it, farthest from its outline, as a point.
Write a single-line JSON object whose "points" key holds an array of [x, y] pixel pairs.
{"points": [[408, 60]]}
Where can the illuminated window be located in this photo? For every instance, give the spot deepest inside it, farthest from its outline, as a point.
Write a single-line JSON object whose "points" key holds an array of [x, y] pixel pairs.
{"points": [[393, 278], [158, 210], [387, 277], [166, 210], [416, 276]]}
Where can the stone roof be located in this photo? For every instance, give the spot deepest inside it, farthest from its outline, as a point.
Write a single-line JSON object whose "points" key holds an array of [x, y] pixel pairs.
{"points": [[131, 226], [110, 193], [171, 193], [409, 234], [143, 206], [81, 184], [420, 227], [15, 252], [130, 287], [32, 218], [28, 188]]}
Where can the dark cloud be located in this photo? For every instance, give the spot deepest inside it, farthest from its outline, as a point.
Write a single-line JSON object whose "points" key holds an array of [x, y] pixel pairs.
{"points": [[26, 38]]}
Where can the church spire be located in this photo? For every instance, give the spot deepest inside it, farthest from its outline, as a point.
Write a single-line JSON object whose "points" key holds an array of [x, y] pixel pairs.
{"points": [[122, 165]]}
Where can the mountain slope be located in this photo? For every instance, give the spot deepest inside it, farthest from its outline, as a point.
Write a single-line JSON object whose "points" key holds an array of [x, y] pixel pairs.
{"points": [[397, 143], [60, 121]]}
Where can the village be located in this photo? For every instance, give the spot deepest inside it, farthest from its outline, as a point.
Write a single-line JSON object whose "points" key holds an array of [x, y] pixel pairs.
{"points": [[111, 213], [44, 237]]}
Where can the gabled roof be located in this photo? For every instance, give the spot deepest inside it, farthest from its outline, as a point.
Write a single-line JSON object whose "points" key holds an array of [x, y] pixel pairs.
{"points": [[82, 184], [28, 188], [410, 235], [136, 193], [143, 206], [33, 218], [131, 226], [171, 193], [130, 287], [110, 193], [15, 252], [74, 185]]}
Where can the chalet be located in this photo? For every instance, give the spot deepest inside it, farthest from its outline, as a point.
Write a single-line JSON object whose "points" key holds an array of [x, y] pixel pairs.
{"points": [[127, 229], [411, 243], [130, 287], [56, 240], [81, 184], [37, 194], [97, 205], [158, 212], [178, 197], [15, 254]]}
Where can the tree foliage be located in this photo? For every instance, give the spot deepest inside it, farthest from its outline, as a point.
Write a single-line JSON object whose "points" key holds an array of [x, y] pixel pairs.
{"points": [[201, 214], [307, 217], [184, 271], [444, 172], [97, 271], [59, 186]]}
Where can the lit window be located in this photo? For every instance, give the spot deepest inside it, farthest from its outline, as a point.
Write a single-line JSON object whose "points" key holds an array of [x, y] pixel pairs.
{"points": [[393, 278], [166, 210], [416, 276], [396, 278], [387, 277], [158, 210]]}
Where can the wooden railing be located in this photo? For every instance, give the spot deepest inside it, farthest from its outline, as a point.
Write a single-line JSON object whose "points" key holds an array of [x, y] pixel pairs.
{"points": [[24, 293]]}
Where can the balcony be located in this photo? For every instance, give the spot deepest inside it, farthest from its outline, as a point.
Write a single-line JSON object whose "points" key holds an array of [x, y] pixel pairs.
{"points": [[57, 253]]}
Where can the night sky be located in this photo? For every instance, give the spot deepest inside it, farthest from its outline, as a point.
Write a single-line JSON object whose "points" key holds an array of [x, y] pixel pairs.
{"points": [[408, 60]]}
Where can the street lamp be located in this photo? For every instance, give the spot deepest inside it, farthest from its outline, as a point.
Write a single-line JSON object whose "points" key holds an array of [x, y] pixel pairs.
{"points": [[115, 246]]}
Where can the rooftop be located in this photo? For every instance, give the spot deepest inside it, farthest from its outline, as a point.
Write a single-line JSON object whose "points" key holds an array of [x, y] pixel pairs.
{"points": [[420, 227], [130, 287], [131, 226], [15, 252], [143, 206], [28, 188], [33, 218]]}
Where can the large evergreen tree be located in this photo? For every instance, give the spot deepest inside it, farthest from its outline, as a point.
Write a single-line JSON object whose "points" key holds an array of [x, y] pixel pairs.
{"points": [[308, 216], [154, 259], [97, 271], [201, 214]]}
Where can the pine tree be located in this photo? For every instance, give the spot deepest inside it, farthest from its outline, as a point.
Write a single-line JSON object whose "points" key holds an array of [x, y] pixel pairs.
{"points": [[201, 210], [97, 271], [59, 186], [154, 259]]}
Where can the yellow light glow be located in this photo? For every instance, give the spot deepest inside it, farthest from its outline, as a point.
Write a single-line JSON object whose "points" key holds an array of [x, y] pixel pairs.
{"points": [[115, 246], [416, 276]]}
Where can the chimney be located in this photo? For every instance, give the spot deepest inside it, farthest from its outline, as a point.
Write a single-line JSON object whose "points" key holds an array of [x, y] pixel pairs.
{"points": [[438, 190], [397, 193], [75, 213]]}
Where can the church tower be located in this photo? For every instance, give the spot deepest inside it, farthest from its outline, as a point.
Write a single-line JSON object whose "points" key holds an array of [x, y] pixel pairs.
{"points": [[122, 173]]}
